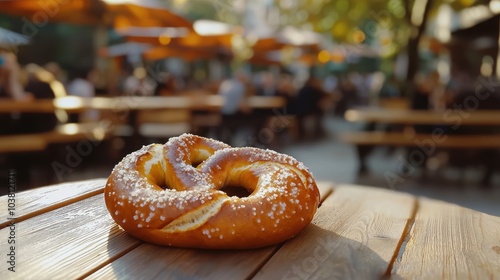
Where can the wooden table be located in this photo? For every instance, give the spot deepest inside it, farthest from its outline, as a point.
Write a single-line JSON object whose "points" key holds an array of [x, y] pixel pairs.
{"points": [[65, 232], [79, 104], [125, 107], [412, 117]]}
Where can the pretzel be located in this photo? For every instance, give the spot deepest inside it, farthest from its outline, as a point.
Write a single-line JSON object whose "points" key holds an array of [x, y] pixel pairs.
{"points": [[173, 195]]}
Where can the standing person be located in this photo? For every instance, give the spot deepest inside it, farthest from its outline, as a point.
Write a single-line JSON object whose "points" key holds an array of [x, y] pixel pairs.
{"points": [[425, 90], [348, 96], [266, 85], [287, 90], [307, 104], [428, 90], [234, 108], [82, 86]]}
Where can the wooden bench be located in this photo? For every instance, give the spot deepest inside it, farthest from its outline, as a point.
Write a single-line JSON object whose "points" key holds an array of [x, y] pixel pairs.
{"points": [[407, 118], [425, 145]]}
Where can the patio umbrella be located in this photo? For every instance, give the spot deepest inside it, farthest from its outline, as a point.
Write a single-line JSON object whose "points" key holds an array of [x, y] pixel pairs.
{"points": [[205, 34], [191, 40], [124, 49], [209, 39], [115, 13], [289, 37], [10, 40], [188, 54]]}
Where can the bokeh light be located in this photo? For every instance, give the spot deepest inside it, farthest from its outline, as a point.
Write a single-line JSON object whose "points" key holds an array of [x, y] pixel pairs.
{"points": [[164, 39], [324, 56], [358, 36]]}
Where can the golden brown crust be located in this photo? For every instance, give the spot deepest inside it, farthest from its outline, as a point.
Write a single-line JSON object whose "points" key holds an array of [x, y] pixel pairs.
{"points": [[193, 212]]}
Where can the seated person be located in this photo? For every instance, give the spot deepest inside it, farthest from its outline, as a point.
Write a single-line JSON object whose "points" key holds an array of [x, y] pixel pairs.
{"points": [[38, 86], [11, 88]]}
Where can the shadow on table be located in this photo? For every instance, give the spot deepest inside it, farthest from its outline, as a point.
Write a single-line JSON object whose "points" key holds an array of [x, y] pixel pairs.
{"points": [[318, 253], [315, 254]]}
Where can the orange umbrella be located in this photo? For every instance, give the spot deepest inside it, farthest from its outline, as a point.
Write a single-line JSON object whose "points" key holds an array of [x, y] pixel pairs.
{"points": [[267, 44], [142, 13], [189, 46], [189, 54], [190, 40], [116, 13]]}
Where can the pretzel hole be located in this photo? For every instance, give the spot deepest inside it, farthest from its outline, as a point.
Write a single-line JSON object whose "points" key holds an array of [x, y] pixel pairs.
{"points": [[196, 163], [199, 156], [164, 186], [236, 191]]}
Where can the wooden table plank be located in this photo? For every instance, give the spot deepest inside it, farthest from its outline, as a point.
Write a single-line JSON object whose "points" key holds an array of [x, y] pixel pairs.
{"points": [[450, 242], [154, 262], [325, 189], [8, 105], [411, 139], [404, 116], [66, 243], [79, 104], [37, 201], [354, 235]]}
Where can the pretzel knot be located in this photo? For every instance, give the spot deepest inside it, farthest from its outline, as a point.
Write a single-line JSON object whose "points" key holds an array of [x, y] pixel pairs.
{"points": [[179, 194]]}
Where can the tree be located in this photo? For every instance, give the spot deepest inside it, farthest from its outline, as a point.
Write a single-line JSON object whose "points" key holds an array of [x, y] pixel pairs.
{"points": [[395, 25], [416, 15]]}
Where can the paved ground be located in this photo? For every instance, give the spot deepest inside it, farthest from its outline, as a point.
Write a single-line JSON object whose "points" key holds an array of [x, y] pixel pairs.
{"points": [[333, 161]]}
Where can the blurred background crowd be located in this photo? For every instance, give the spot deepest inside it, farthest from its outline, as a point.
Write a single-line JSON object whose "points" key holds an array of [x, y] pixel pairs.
{"points": [[320, 58]]}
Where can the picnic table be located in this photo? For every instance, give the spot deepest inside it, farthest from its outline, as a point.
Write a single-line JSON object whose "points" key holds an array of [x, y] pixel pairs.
{"points": [[132, 103], [120, 108], [65, 232], [412, 117], [439, 131]]}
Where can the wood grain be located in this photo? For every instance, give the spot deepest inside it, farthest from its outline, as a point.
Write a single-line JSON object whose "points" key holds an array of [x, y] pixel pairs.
{"points": [[325, 189], [38, 201], [155, 262], [354, 235], [67, 243], [450, 242]]}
